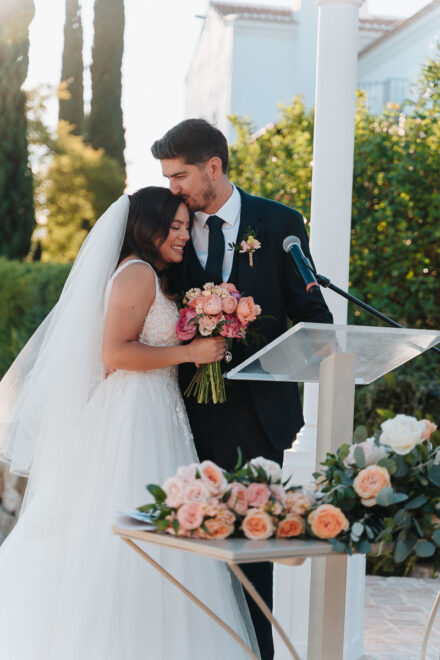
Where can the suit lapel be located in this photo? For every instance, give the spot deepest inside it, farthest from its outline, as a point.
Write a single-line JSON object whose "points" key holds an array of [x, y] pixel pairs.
{"points": [[251, 218]]}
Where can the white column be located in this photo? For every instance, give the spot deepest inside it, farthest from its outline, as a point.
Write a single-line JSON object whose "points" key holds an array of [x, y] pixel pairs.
{"points": [[335, 100]]}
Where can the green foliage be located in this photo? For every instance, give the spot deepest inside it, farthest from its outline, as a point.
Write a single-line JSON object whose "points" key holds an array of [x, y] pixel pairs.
{"points": [[106, 129], [79, 185], [16, 190], [28, 291], [395, 244], [72, 89]]}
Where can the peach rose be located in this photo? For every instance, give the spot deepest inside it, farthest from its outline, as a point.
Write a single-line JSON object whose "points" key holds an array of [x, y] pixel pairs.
{"points": [[257, 525], [258, 494], [238, 500], [186, 328], [430, 427], [195, 302], [298, 502], [212, 305], [229, 304], [327, 521], [190, 516], [370, 481], [217, 529], [229, 287], [247, 310], [173, 487], [291, 525], [206, 325], [214, 477], [195, 491]]}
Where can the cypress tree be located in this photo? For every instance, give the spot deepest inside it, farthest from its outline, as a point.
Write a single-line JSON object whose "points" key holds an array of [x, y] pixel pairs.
{"points": [[16, 187], [106, 125], [72, 97]]}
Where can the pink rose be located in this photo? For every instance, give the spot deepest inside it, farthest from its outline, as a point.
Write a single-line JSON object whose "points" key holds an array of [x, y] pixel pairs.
{"points": [[231, 328], [257, 525], [238, 500], [247, 310], [195, 491], [258, 494], [187, 472], [185, 327], [173, 487], [212, 305], [207, 325], [190, 516], [298, 502], [277, 491], [214, 477], [229, 287], [229, 304]]}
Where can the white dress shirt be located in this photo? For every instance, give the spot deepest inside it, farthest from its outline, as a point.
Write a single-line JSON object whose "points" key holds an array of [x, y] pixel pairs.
{"points": [[230, 214]]}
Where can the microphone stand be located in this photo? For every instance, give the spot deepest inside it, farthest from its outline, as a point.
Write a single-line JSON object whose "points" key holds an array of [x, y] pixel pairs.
{"points": [[327, 284]]}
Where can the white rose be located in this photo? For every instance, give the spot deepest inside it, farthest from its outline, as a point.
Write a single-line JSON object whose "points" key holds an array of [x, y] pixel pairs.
{"points": [[402, 433], [272, 469], [373, 453], [187, 472]]}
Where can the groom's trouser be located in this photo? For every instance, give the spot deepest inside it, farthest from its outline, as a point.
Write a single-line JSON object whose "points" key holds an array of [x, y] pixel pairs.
{"points": [[218, 432]]}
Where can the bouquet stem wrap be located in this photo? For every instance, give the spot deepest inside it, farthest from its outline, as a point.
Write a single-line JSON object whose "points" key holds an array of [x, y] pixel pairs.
{"points": [[208, 384]]}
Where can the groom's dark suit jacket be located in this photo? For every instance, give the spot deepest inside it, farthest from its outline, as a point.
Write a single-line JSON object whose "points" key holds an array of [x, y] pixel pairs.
{"points": [[277, 288]]}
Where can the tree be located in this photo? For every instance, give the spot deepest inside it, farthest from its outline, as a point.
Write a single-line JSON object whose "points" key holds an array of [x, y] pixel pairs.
{"points": [[72, 88], [106, 129], [77, 188], [16, 188]]}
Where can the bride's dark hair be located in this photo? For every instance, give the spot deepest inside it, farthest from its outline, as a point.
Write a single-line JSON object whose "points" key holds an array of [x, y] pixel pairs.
{"points": [[151, 213]]}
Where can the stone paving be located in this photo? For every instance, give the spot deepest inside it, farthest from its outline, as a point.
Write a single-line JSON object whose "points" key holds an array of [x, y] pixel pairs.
{"points": [[396, 613]]}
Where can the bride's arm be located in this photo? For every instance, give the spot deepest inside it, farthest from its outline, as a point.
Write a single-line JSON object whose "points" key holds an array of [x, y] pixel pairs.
{"points": [[132, 294]]}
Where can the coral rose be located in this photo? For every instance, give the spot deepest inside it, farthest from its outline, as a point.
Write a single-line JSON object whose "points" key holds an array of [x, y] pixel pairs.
{"points": [[327, 521], [229, 287], [195, 302], [258, 494], [212, 305], [214, 477], [238, 500], [370, 481], [217, 529], [190, 516], [430, 427], [291, 525], [185, 327], [257, 525], [247, 310], [229, 305]]}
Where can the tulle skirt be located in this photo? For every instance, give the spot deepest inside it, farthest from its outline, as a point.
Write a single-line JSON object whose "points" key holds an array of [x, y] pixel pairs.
{"points": [[69, 589]]}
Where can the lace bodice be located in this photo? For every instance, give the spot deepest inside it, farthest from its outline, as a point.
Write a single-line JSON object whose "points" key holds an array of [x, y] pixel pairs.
{"points": [[159, 327]]}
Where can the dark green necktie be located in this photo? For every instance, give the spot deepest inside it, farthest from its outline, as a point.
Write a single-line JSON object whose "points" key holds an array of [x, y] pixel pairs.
{"points": [[216, 250]]}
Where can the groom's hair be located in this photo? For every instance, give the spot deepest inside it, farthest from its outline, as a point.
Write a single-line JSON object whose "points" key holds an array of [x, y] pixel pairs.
{"points": [[194, 140]]}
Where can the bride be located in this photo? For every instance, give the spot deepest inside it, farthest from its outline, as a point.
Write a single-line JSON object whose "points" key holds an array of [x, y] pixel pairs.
{"points": [[69, 590]]}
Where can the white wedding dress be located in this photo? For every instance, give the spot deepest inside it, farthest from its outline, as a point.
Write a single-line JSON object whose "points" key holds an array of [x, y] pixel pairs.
{"points": [[69, 589]]}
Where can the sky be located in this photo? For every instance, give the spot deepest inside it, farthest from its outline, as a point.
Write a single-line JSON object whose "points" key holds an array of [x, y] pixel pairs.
{"points": [[160, 39]]}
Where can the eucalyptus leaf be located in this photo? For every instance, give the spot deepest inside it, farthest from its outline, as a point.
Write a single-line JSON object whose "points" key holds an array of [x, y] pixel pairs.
{"points": [[338, 546], [401, 467], [416, 502], [389, 464], [403, 549], [360, 434], [359, 457], [385, 496], [363, 546], [399, 497], [357, 529], [436, 537], [434, 475], [425, 548]]}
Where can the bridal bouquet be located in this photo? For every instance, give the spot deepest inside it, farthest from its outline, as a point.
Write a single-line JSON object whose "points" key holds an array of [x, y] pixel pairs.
{"points": [[387, 488], [214, 310]]}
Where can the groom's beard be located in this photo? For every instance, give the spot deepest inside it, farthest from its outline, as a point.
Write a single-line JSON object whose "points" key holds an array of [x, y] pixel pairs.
{"points": [[206, 196]]}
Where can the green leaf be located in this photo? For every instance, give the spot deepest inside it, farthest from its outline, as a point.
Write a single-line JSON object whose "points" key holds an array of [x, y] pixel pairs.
{"points": [[436, 537], [434, 475], [157, 492], [176, 525], [425, 548], [343, 451], [360, 434], [416, 502], [359, 457], [403, 548], [239, 462]]}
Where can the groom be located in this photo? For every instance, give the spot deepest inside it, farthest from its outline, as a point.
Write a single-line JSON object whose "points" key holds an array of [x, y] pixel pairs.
{"points": [[260, 417]]}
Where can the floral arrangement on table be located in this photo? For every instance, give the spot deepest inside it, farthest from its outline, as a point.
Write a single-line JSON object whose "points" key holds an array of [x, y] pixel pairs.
{"points": [[383, 489], [214, 310]]}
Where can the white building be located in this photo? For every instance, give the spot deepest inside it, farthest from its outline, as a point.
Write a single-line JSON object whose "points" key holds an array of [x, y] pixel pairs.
{"points": [[249, 58]]}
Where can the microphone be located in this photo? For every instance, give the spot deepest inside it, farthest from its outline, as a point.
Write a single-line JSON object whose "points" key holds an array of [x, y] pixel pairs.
{"points": [[292, 245]]}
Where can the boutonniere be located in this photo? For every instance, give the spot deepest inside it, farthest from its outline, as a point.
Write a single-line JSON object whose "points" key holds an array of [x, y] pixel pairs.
{"points": [[248, 245]]}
